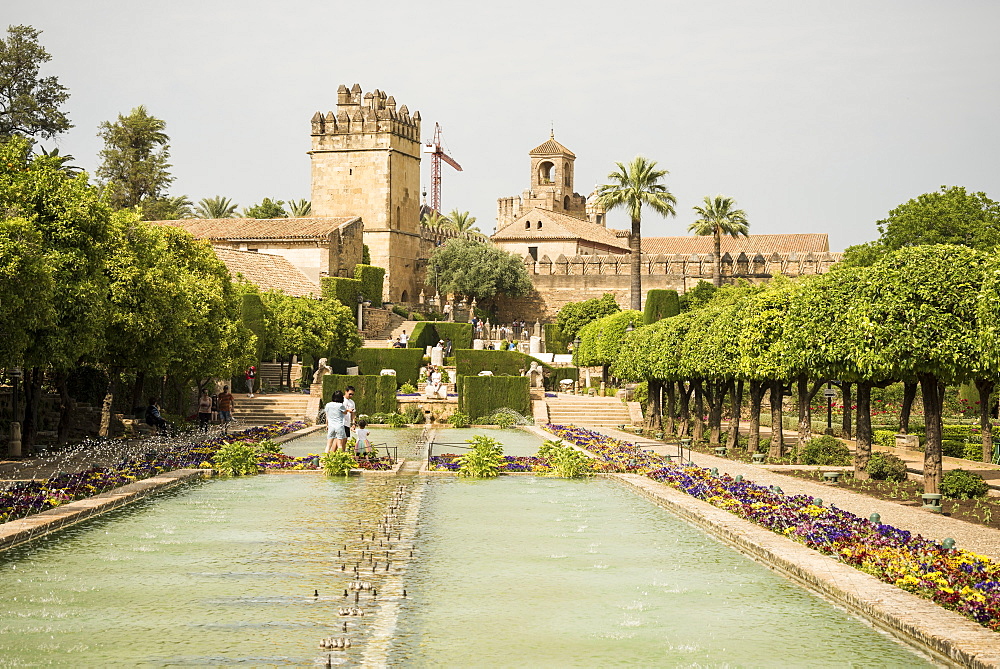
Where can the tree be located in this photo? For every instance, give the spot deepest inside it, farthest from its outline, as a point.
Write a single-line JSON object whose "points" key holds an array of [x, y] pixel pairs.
{"points": [[462, 221], [268, 208], [299, 208], [633, 186], [63, 161], [168, 208], [949, 216], [215, 207], [718, 216], [476, 269], [29, 104], [575, 315], [433, 219], [134, 165], [698, 296], [26, 288], [601, 340]]}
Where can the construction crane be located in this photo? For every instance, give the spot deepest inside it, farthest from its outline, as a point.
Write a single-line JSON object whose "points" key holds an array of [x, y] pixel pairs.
{"points": [[437, 155]]}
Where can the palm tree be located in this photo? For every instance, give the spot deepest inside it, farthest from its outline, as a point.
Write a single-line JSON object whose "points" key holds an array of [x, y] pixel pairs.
{"points": [[62, 160], [635, 185], [718, 217], [299, 208], [462, 221], [433, 220], [215, 207]]}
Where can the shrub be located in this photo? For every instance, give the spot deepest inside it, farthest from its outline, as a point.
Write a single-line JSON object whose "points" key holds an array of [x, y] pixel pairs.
{"points": [[826, 450], [504, 418], [886, 467], [458, 419], [566, 461], [428, 333], [956, 432], [554, 340], [338, 464], [342, 289], [484, 459], [484, 395], [960, 484], [470, 362], [237, 458], [375, 394], [370, 278], [407, 388], [400, 311], [414, 415], [974, 451], [266, 447], [660, 304], [392, 419], [406, 362], [884, 438], [641, 393], [953, 448]]}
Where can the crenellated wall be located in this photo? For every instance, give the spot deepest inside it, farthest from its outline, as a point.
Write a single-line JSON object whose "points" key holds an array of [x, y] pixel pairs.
{"points": [[579, 278]]}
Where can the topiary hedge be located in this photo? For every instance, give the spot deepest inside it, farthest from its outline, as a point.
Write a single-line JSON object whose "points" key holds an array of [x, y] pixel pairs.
{"points": [[554, 340], [406, 362], [469, 362], [342, 289], [660, 304], [483, 395], [371, 279], [373, 394], [428, 333]]}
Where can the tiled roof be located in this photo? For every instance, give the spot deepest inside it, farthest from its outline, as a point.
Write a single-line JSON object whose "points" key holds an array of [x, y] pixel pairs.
{"points": [[556, 225], [252, 229], [551, 147], [763, 244], [269, 271]]}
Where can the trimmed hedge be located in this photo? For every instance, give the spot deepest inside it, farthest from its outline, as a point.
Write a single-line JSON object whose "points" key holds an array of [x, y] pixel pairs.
{"points": [[371, 279], [485, 394], [554, 341], [406, 362], [341, 289], [428, 333], [469, 362], [660, 304], [374, 394]]}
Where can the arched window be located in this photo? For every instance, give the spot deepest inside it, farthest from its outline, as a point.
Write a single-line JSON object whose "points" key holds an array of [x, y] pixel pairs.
{"points": [[566, 203], [527, 225], [539, 225], [566, 175], [546, 172], [399, 222], [404, 297]]}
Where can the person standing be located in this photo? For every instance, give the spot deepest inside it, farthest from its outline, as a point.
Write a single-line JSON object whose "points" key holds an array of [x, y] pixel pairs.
{"points": [[335, 413], [363, 445], [226, 408], [404, 339], [351, 416], [204, 410], [251, 376]]}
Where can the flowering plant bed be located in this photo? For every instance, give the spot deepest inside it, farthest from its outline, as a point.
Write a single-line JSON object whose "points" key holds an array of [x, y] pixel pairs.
{"points": [[280, 461], [28, 497], [448, 462], [955, 579]]}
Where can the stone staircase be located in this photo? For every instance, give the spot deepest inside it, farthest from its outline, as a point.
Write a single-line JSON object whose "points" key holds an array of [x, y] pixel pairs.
{"points": [[273, 407], [397, 327], [592, 411]]}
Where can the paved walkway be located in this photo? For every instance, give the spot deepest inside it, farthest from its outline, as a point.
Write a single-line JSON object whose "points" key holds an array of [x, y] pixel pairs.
{"points": [[976, 538]]}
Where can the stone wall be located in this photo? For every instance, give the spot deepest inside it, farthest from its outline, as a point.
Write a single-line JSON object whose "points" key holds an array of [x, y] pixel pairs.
{"points": [[577, 278]]}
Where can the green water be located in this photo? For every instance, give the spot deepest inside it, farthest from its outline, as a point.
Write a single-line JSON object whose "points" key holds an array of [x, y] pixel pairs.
{"points": [[518, 571]]}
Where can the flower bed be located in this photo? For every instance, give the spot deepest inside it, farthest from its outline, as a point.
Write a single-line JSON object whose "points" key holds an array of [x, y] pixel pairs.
{"points": [[311, 462], [955, 579], [29, 497], [448, 462]]}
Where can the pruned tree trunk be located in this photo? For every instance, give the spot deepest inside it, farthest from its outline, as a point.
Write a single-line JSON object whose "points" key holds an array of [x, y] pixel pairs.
{"points": [[65, 407], [806, 394], [736, 394], [671, 407], [986, 388], [863, 438], [137, 388], [715, 392], [698, 432], [933, 398], [757, 390], [684, 419], [777, 449], [32, 399], [109, 399], [635, 248], [653, 416], [845, 389], [909, 394]]}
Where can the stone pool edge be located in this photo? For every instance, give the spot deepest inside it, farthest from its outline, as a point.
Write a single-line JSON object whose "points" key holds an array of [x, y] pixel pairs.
{"points": [[37, 525], [944, 635]]}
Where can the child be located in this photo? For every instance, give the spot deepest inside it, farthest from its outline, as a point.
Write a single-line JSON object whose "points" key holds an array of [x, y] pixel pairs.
{"points": [[363, 445]]}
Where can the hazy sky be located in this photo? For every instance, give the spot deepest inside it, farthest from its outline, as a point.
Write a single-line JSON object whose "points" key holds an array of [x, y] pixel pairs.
{"points": [[814, 116]]}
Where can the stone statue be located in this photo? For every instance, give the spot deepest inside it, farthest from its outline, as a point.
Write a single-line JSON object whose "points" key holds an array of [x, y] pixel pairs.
{"points": [[536, 376], [322, 369]]}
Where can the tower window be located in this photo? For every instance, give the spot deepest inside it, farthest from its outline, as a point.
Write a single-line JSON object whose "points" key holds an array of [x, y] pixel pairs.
{"points": [[546, 172], [527, 225], [539, 225]]}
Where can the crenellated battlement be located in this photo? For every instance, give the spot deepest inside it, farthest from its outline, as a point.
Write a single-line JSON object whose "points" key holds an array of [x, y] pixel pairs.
{"points": [[366, 113], [745, 266]]}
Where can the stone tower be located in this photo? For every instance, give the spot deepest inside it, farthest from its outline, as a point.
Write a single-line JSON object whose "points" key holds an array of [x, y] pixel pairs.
{"points": [[551, 186], [366, 162]]}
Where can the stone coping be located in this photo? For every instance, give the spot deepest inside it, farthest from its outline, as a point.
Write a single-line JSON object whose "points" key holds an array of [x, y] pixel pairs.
{"points": [[946, 636], [40, 524]]}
